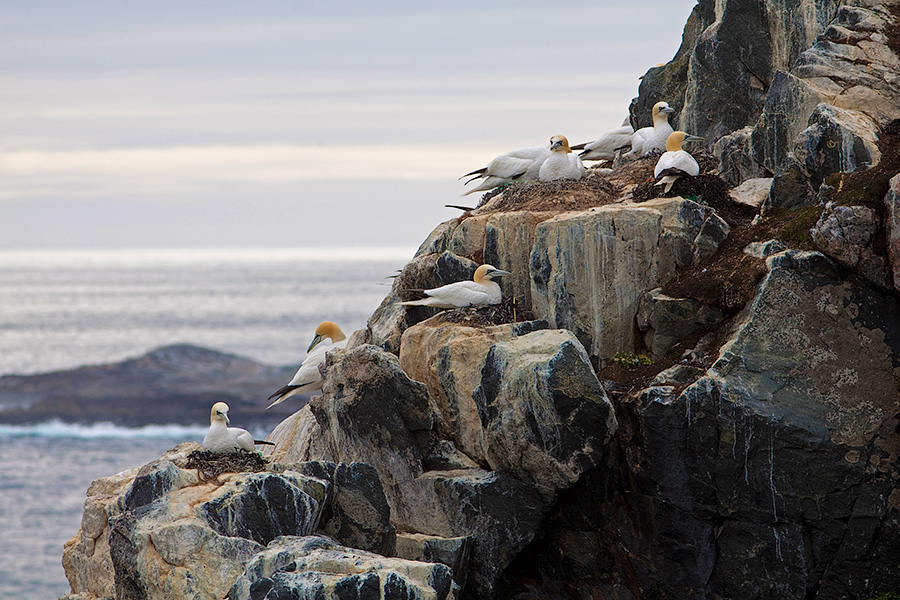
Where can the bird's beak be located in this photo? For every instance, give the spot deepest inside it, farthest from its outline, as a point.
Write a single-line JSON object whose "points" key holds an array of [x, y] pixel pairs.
{"points": [[693, 138], [556, 144], [316, 341], [225, 416], [498, 272], [667, 109]]}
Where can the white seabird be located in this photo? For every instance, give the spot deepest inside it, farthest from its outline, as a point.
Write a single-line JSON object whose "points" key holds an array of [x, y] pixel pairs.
{"points": [[478, 292], [605, 147], [650, 139], [519, 165], [561, 164], [308, 377], [221, 437], [675, 162]]}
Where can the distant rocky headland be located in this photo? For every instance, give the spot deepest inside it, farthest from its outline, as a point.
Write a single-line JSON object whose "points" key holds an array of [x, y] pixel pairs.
{"points": [[174, 384], [683, 396]]}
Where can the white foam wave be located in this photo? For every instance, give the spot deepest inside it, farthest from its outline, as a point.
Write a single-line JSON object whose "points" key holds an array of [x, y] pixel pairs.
{"points": [[59, 429]]}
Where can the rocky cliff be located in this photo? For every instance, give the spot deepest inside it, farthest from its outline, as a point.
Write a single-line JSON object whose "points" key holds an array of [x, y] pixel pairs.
{"points": [[695, 396]]}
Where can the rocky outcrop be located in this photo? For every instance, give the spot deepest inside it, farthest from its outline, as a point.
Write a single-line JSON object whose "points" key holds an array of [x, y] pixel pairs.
{"points": [[316, 567], [590, 268], [892, 227], [846, 234], [795, 89]]}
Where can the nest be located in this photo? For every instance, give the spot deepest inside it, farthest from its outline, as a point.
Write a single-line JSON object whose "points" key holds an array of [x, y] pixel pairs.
{"points": [[484, 316], [554, 196], [210, 465]]}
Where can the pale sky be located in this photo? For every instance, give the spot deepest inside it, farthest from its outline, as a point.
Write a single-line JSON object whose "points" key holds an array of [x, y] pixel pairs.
{"points": [[293, 123]]}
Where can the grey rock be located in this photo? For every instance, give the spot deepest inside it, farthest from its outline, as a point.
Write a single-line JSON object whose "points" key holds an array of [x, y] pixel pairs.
{"points": [[501, 513], [670, 322], [764, 249], [679, 374], [453, 552], [590, 268], [752, 192], [360, 515], [317, 568], [846, 234], [892, 229], [519, 401]]}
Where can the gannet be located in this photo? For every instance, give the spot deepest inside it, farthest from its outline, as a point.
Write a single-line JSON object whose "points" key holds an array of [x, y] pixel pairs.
{"points": [[650, 139], [222, 438], [478, 292], [675, 162], [519, 165], [561, 164], [308, 377], [605, 147]]}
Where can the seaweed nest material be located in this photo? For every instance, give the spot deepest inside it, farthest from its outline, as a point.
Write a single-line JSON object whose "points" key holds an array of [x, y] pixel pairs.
{"points": [[210, 465], [552, 196], [485, 316]]}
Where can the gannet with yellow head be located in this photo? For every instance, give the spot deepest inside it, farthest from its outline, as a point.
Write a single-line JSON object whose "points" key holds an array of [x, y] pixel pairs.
{"points": [[562, 163], [652, 139], [309, 377], [675, 162], [519, 165], [221, 437], [606, 146], [478, 292]]}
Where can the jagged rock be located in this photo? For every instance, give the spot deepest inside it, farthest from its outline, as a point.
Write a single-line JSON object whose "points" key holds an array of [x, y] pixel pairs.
{"points": [[514, 399], [892, 228], [737, 165], [371, 411], [590, 268], [679, 374], [297, 439], [162, 532], [752, 192], [499, 512], [360, 515], [846, 234], [773, 475], [764, 249], [316, 567], [667, 322], [508, 240], [453, 552]]}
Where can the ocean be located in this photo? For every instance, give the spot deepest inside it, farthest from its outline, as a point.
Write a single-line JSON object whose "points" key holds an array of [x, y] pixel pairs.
{"points": [[65, 309]]}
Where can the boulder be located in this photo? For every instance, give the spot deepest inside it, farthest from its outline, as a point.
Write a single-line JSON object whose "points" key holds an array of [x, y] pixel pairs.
{"points": [[590, 268], [674, 322], [514, 399], [163, 532], [846, 234], [371, 411], [892, 229], [360, 516], [752, 192], [316, 567], [453, 552]]}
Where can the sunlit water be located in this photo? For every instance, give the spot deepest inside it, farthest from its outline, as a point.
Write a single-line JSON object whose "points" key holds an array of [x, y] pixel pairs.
{"points": [[60, 310]]}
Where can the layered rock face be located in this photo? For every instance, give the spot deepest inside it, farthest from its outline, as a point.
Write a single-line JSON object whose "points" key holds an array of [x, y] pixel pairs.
{"points": [[509, 451]]}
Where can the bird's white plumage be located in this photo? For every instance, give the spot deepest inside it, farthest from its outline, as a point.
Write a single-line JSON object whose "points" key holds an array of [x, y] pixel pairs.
{"points": [[604, 147], [562, 163], [522, 164], [652, 139], [221, 437], [308, 377], [479, 292], [675, 162]]}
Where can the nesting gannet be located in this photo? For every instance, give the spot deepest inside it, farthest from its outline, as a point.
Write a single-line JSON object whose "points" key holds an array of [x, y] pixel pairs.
{"points": [[308, 378], [221, 437], [675, 162], [519, 165], [561, 164], [650, 139], [478, 292], [605, 147]]}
